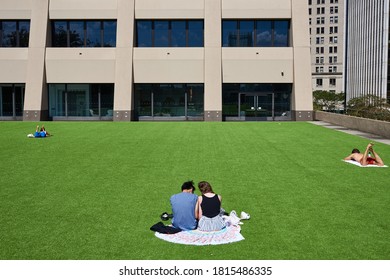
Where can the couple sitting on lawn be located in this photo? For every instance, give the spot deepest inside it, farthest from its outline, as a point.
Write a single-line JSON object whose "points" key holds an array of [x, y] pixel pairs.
{"points": [[191, 212]]}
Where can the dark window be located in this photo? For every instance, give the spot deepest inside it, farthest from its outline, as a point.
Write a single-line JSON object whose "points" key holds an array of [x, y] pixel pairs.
{"points": [[169, 100], [178, 33], [94, 34], [109, 33], [195, 33], [259, 33], [246, 30], [11, 100], [161, 30], [91, 33], [76, 33], [229, 33], [281, 29], [144, 33], [81, 100], [264, 33], [14, 33], [60, 34], [169, 33]]}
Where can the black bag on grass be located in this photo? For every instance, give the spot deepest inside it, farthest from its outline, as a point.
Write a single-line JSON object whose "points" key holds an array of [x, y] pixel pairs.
{"points": [[161, 228]]}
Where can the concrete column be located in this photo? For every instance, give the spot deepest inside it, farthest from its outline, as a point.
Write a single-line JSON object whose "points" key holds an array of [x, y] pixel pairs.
{"points": [[302, 96], [213, 60], [123, 93], [36, 99]]}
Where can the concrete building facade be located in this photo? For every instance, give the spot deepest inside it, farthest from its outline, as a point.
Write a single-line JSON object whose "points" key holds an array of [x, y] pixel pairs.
{"points": [[125, 60], [327, 26]]}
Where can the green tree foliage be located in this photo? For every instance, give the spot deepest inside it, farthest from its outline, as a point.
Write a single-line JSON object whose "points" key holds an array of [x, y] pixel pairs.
{"points": [[369, 106], [327, 101]]}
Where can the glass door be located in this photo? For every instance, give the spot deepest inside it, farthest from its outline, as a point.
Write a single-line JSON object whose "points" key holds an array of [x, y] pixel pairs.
{"points": [[256, 106]]}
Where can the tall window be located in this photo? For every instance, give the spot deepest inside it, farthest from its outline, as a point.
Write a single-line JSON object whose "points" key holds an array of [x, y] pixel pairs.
{"points": [[169, 33], [14, 33], [255, 33], [84, 33], [11, 100], [81, 100], [184, 101]]}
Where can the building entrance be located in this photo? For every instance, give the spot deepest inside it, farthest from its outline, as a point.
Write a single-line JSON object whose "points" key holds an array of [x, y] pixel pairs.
{"points": [[256, 106]]}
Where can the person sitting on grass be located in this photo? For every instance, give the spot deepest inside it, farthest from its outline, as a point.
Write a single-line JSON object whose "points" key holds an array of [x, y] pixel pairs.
{"points": [[209, 209], [369, 156], [184, 207]]}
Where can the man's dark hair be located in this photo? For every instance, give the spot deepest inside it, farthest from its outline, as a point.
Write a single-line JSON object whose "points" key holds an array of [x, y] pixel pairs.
{"points": [[189, 185], [354, 151]]}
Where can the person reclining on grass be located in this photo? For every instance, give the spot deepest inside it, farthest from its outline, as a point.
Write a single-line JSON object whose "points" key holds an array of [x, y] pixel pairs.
{"points": [[369, 156], [184, 207], [41, 132]]}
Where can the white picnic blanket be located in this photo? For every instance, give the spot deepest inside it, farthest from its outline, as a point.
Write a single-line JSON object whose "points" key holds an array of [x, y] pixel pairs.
{"points": [[196, 237], [358, 164]]}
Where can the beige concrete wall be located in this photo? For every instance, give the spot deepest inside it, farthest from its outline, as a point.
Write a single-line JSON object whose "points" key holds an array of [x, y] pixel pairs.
{"points": [[168, 65], [302, 93], [15, 9], [169, 9], [212, 64], [80, 65], [35, 96], [124, 61], [83, 9], [13, 65], [126, 65], [257, 65], [381, 128], [256, 9]]}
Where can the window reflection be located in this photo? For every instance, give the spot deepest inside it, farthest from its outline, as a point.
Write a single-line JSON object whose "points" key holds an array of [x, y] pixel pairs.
{"points": [[229, 33], [178, 33], [169, 100], [246, 33], [281, 33], [144, 33], [93, 34], [109, 33], [81, 100], [264, 33], [11, 100], [14, 33], [195, 33], [169, 33], [9, 34], [24, 33], [84, 33], [259, 33], [161, 29], [76, 33]]}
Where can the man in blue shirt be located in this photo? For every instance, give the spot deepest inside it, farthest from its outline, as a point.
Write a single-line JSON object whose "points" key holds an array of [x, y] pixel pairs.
{"points": [[184, 207]]}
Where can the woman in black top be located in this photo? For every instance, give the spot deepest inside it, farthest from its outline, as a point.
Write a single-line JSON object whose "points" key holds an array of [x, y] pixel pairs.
{"points": [[209, 205]]}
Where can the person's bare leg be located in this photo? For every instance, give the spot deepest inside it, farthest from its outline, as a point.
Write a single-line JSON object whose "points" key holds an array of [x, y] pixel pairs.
{"points": [[378, 159], [363, 161]]}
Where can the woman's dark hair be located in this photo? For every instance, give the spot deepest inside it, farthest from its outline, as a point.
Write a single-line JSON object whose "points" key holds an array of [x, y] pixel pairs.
{"points": [[205, 187], [355, 151]]}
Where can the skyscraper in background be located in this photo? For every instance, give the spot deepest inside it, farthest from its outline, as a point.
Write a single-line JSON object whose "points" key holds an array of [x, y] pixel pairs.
{"points": [[326, 21], [367, 48]]}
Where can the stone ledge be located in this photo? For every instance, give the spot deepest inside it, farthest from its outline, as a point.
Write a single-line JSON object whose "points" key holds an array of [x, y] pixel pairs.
{"points": [[381, 128]]}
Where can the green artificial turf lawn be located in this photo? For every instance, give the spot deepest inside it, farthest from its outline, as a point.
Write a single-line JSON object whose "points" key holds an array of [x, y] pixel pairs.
{"points": [[93, 190]]}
